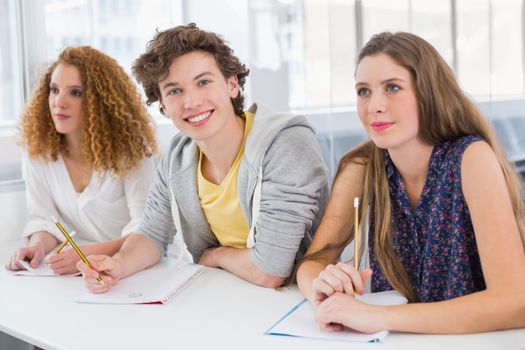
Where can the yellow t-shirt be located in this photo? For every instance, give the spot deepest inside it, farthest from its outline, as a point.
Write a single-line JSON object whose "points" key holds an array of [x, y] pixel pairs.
{"points": [[220, 203]]}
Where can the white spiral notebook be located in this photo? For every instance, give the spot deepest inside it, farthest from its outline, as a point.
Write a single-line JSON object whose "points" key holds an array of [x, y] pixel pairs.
{"points": [[157, 284]]}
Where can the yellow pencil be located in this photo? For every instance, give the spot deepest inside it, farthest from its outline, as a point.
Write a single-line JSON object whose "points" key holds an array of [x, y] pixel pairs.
{"points": [[356, 233], [77, 249], [63, 244]]}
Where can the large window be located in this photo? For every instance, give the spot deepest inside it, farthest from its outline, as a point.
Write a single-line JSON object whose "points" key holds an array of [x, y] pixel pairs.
{"points": [[474, 61], [11, 83], [10, 64], [301, 53], [304, 49], [385, 15], [119, 28], [506, 39]]}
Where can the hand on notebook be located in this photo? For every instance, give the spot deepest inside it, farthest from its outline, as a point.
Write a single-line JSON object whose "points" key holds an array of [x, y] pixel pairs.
{"points": [[33, 254], [108, 268], [342, 278], [341, 310], [63, 263]]}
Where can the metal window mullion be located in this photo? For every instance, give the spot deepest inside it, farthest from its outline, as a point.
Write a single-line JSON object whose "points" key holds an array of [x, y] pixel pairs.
{"points": [[410, 17], [522, 42], [93, 20], [454, 35], [358, 25], [31, 32], [491, 50]]}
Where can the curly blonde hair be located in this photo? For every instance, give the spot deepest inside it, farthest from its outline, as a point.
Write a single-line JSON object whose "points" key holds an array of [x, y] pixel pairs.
{"points": [[117, 130]]}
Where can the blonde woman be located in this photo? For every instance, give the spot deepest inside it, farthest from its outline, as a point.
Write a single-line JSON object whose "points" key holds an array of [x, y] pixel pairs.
{"points": [[446, 220], [88, 141]]}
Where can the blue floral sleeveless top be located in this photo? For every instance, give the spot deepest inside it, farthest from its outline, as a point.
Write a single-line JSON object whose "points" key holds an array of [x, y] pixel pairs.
{"points": [[436, 242]]}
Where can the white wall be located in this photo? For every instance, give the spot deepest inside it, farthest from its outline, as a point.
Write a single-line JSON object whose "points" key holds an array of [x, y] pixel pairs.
{"points": [[9, 155], [13, 214]]}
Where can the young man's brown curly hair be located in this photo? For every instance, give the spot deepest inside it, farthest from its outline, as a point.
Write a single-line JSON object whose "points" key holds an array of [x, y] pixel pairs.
{"points": [[117, 130], [153, 65]]}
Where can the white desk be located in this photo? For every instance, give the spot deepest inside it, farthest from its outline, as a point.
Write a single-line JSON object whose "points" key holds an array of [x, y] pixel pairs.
{"points": [[217, 311]]}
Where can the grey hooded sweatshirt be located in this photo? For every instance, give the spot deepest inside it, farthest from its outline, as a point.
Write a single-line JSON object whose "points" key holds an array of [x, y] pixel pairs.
{"points": [[293, 192]]}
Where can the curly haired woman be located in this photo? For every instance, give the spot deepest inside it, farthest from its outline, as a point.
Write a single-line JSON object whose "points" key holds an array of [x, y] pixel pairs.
{"points": [[89, 142]]}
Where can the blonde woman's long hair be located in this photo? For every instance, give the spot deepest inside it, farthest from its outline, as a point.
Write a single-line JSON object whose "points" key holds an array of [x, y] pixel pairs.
{"points": [[117, 133], [445, 113]]}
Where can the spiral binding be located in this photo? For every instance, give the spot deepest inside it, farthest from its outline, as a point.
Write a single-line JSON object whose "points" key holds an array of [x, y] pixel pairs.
{"points": [[183, 285]]}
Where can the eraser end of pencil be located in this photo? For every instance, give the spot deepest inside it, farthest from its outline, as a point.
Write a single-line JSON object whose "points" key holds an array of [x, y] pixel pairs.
{"points": [[356, 202]]}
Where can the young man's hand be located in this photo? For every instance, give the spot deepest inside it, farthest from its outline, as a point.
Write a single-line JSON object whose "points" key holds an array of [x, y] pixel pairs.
{"points": [[107, 268]]}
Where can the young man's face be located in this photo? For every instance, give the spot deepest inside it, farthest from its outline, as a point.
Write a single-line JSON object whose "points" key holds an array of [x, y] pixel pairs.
{"points": [[196, 96]]}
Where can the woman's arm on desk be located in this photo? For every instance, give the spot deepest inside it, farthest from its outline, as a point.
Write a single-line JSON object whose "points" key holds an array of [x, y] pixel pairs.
{"points": [[315, 280]]}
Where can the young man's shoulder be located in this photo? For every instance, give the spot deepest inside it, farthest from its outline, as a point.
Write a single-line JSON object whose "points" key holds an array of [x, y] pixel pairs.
{"points": [[180, 153], [267, 123], [270, 118], [269, 127]]}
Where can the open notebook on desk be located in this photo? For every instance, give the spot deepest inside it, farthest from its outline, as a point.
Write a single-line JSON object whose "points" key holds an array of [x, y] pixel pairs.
{"points": [[42, 270], [157, 284], [300, 321]]}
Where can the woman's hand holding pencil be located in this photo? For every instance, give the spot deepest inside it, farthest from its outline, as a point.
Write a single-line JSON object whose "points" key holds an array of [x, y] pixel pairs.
{"points": [[76, 248], [342, 278], [65, 262]]}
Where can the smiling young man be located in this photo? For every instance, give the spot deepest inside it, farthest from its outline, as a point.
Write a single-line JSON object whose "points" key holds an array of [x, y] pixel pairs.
{"points": [[245, 189]]}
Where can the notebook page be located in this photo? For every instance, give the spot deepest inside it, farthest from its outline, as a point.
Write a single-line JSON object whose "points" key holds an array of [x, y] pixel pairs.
{"points": [[300, 321], [158, 284], [43, 270]]}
